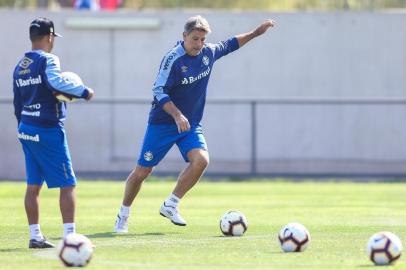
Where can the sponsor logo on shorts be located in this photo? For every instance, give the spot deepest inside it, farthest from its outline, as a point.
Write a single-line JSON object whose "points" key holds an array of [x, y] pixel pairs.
{"points": [[26, 137], [148, 156]]}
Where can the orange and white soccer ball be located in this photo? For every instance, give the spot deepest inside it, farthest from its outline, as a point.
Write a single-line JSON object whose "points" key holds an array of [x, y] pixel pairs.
{"points": [[75, 250]]}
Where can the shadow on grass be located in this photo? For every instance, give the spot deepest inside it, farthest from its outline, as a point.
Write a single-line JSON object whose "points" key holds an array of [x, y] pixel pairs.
{"points": [[226, 236], [118, 235], [111, 234], [12, 249]]}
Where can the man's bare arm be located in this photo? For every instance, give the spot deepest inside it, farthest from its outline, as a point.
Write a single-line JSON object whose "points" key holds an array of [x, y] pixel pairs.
{"points": [[181, 121], [262, 28]]}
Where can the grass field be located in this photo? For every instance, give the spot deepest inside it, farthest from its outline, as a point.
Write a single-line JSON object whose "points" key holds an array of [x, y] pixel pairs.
{"points": [[340, 216]]}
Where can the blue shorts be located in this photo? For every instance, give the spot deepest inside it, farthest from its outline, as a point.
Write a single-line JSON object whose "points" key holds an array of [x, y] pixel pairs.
{"points": [[47, 156], [159, 139]]}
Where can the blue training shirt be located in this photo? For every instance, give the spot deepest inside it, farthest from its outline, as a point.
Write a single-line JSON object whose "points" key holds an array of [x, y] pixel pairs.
{"points": [[36, 76], [183, 80]]}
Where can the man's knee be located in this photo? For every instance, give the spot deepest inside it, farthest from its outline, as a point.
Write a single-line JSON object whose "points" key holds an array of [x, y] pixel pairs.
{"points": [[141, 173], [200, 160], [68, 192], [33, 190], [68, 189]]}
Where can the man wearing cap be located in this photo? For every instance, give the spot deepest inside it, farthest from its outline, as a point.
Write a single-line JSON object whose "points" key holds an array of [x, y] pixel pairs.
{"points": [[40, 116], [179, 98]]}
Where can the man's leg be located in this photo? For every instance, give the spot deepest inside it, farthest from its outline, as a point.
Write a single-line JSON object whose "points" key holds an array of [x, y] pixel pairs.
{"points": [[134, 182], [67, 204], [132, 187], [158, 140], [31, 202], [198, 162]]}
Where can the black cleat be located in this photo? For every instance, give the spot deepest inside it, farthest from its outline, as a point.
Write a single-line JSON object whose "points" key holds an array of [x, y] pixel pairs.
{"points": [[40, 244]]}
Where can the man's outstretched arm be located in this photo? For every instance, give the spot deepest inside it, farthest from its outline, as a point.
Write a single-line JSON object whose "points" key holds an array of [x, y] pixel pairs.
{"points": [[262, 28]]}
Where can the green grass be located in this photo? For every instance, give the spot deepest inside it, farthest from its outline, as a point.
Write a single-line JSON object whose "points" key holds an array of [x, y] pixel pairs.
{"points": [[340, 217]]}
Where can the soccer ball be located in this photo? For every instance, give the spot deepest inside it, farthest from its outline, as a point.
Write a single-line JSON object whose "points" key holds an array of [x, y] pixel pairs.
{"points": [[233, 223], [294, 237], [384, 248], [73, 78], [75, 250]]}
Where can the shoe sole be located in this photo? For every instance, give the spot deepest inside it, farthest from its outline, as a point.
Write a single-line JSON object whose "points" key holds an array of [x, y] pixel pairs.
{"points": [[179, 224], [40, 247]]}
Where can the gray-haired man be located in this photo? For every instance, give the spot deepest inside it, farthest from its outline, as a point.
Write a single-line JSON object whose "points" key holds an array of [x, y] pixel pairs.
{"points": [[179, 98]]}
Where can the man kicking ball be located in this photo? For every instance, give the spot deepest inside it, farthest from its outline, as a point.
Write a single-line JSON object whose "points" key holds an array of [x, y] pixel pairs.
{"points": [[179, 98]]}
